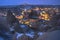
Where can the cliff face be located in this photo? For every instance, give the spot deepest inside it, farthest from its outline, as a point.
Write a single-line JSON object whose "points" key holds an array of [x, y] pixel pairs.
{"points": [[55, 35]]}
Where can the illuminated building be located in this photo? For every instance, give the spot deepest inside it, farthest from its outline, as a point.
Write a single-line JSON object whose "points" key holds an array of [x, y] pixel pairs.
{"points": [[44, 16]]}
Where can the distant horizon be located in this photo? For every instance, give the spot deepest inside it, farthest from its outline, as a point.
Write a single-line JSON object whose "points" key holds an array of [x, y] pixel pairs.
{"points": [[33, 2], [29, 4]]}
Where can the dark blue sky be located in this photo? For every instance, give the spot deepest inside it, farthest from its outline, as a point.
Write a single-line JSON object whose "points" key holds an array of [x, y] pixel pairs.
{"points": [[40, 2]]}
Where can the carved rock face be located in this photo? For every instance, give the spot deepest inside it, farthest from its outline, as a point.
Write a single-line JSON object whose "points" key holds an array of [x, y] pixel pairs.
{"points": [[55, 35]]}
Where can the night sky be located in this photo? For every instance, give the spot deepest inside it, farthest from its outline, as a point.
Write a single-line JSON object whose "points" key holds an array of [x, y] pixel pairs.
{"points": [[34, 2]]}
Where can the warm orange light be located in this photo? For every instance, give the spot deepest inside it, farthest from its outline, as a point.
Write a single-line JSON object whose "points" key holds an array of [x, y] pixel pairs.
{"points": [[29, 11], [27, 22], [19, 17], [45, 16], [37, 8]]}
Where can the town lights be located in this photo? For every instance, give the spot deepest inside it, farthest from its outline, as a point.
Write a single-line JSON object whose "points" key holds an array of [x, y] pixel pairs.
{"points": [[27, 22], [19, 17], [44, 16], [37, 8]]}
